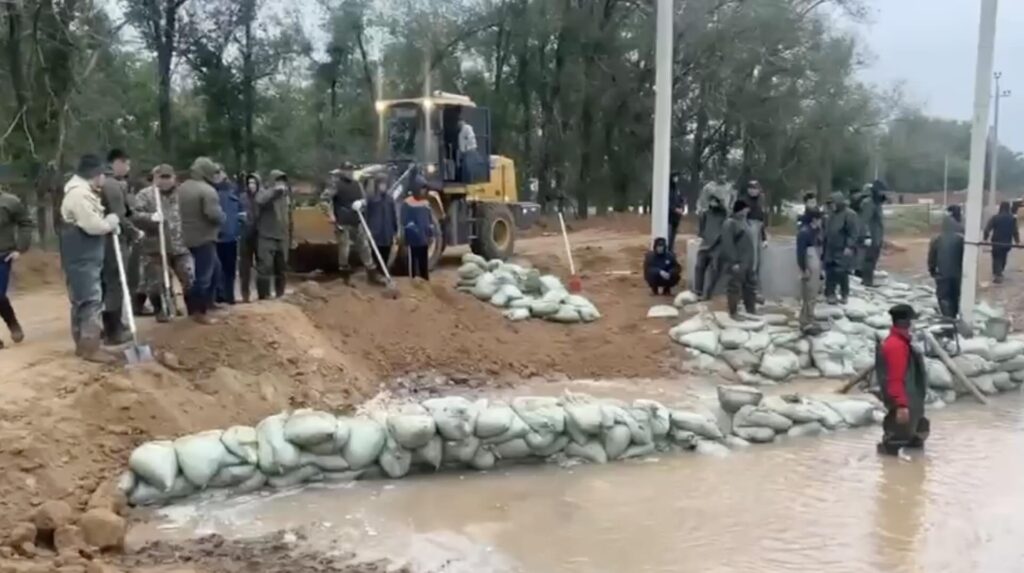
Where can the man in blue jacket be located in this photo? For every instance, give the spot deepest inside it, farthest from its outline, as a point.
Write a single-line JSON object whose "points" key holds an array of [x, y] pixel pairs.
{"points": [[227, 238], [418, 231]]}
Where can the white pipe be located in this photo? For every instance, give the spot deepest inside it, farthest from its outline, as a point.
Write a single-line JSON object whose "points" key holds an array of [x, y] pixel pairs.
{"points": [[975, 187], [662, 121], [568, 249]]}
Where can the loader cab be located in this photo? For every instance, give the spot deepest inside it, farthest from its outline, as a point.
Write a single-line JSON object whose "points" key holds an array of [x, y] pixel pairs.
{"points": [[426, 131]]}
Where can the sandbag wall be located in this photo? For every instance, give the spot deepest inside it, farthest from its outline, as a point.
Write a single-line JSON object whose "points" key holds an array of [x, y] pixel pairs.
{"points": [[524, 292], [771, 349], [289, 449]]}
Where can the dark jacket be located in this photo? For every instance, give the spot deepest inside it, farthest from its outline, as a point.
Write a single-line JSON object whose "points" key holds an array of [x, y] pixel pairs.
{"points": [[805, 239], [1002, 228], [666, 261], [756, 205], [118, 201], [234, 212], [946, 252], [901, 375], [201, 215], [16, 225], [872, 223], [842, 231], [737, 244], [273, 207], [709, 228], [248, 199], [417, 222], [341, 193], [675, 203], [381, 218]]}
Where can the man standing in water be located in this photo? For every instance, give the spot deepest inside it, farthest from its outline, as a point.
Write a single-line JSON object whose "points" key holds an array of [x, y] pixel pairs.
{"points": [[903, 381]]}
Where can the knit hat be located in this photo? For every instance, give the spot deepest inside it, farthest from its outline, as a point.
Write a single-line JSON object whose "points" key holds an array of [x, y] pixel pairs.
{"points": [[89, 166], [739, 205], [204, 168]]}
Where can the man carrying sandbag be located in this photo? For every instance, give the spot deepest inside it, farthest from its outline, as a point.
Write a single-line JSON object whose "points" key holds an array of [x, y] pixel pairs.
{"points": [[945, 265], [841, 236], [1002, 229], [737, 258], [903, 381]]}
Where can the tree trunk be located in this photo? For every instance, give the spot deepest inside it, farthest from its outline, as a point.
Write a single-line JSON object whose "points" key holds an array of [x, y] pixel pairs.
{"points": [[697, 160], [164, 57], [249, 87]]}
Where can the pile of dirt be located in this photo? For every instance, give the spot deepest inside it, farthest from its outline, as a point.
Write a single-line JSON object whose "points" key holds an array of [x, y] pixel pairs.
{"points": [[37, 270]]}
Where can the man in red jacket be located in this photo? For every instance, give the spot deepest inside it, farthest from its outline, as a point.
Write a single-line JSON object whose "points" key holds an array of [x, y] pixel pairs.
{"points": [[903, 380]]}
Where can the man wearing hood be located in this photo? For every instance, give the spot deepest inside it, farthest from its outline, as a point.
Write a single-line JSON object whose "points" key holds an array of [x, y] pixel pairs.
{"points": [[808, 258], [149, 219], [342, 198], [753, 195], [675, 209], [841, 235], [737, 259], [201, 218], [16, 228], [873, 229], [273, 212], [709, 230], [82, 246], [230, 232], [1002, 229], [382, 218], [249, 236], [117, 200], [661, 269], [945, 265]]}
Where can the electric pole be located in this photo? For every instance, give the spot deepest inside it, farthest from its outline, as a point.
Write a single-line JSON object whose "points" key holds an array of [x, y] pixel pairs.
{"points": [[945, 183], [662, 120], [994, 162]]}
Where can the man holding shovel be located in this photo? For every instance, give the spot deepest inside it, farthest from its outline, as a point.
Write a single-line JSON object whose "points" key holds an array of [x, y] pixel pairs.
{"points": [[157, 206], [339, 199]]}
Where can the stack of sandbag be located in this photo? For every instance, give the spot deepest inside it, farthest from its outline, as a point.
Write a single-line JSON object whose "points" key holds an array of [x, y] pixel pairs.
{"points": [[757, 419], [525, 293], [769, 349], [992, 366]]}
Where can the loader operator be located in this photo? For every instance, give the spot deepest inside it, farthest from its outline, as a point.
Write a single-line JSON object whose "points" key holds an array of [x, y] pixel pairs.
{"points": [[340, 199]]}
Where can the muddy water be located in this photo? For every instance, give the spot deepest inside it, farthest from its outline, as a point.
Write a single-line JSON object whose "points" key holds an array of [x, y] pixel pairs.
{"points": [[806, 505]]}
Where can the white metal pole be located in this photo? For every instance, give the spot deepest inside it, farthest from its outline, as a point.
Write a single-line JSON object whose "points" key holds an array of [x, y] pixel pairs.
{"points": [[662, 121], [945, 182], [976, 184], [993, 185]]}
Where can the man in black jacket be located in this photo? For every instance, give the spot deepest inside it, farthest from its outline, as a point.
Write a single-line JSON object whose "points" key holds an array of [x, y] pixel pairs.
{"points": [[342, 198], [710, 232], [945, 265], [1002, 229], [675, 209]]}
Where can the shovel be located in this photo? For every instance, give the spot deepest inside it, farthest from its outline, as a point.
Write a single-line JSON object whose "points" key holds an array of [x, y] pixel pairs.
{"points": [[136, 353], [390, 289], [166, 295], [575, 285]]}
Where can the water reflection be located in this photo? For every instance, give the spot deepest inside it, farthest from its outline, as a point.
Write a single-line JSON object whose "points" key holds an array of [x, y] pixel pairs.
{"points": [[900, 506]]}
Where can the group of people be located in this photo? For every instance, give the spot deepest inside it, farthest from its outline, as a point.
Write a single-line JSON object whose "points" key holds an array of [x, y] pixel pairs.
{"points": [[202, 231]]}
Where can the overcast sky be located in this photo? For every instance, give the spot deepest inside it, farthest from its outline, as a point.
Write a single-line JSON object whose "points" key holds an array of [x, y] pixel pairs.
{"points": [[931, 45]]}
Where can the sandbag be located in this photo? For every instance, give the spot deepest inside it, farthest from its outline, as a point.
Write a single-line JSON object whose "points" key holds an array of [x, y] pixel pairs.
{"points": [[740, 359], [411, 426], [615, 441], [255, 483], [295, 477], [939, 377], [431, 454], [859, 309], [752, 323], [513, 450], [807, 429], [580, 302], [483, 460], [683, 438], [276, 454], [690, 325], [640, 431], [700, 425], [663, 311], [978, 347], [986, 384], [365, 442], [455, 417], [327, 463], [156, 463], [494, 420], [779, 364], [589, 314], [1002, 381], [970, 365], [517, 314], [751, 416], [394, 459], [202, 455], [758, 342], [793, 408], [505, 295], [556, 446], [732, 398], [879, 321], [242, 442], [549, 283], [542, 309], [541, 414], [660, 417], [485, 287], [685, 298], [638, 450], [556, 296], [566, 315], [755, 435], [522, 303], [1017, 376], [539, 440], [854, 413], [1011, 365], [1004, 351], [461, 451], [774, 319], [310, 427], [470, 258], [830, 366], [146, 494], [709, 448], [504, 277], [470, 271], [583, 421], [733, 338], [592, 452], [736, 442], [706, 341]]}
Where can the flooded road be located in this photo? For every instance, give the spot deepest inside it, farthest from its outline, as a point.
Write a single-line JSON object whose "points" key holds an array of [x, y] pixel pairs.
{"points": [[804, 505]]}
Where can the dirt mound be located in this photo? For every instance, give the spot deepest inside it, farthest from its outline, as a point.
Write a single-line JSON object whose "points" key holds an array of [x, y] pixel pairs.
{"points": [[37, 270]]}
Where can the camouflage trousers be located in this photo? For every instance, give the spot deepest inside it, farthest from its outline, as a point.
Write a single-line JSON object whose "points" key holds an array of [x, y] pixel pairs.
{"points": [[349, 236], [181, 266]]}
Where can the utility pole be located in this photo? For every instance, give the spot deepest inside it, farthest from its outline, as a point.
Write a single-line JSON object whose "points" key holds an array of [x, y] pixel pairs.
{"points": [[662, 120], [976, 185], [994, 162], [945, 183]]}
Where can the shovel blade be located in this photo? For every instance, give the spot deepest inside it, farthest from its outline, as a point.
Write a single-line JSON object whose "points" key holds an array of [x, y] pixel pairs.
{"points": [[137, 354]]}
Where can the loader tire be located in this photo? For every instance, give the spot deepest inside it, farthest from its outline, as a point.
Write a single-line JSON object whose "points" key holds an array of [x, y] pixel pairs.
{"points": [[496, 232]]}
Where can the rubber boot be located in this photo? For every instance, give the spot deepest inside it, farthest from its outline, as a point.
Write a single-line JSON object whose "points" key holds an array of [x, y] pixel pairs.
{"points": [[114, 332], [11, 320], [279, 284], [161, 313], [89, 349], [263, 288]]}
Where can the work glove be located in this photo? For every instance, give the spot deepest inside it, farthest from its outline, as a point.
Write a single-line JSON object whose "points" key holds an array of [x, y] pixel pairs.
{"points": [[664, 274], [358, 205], [12, 256], [114, 222], [156, 218], [867, 242]]}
